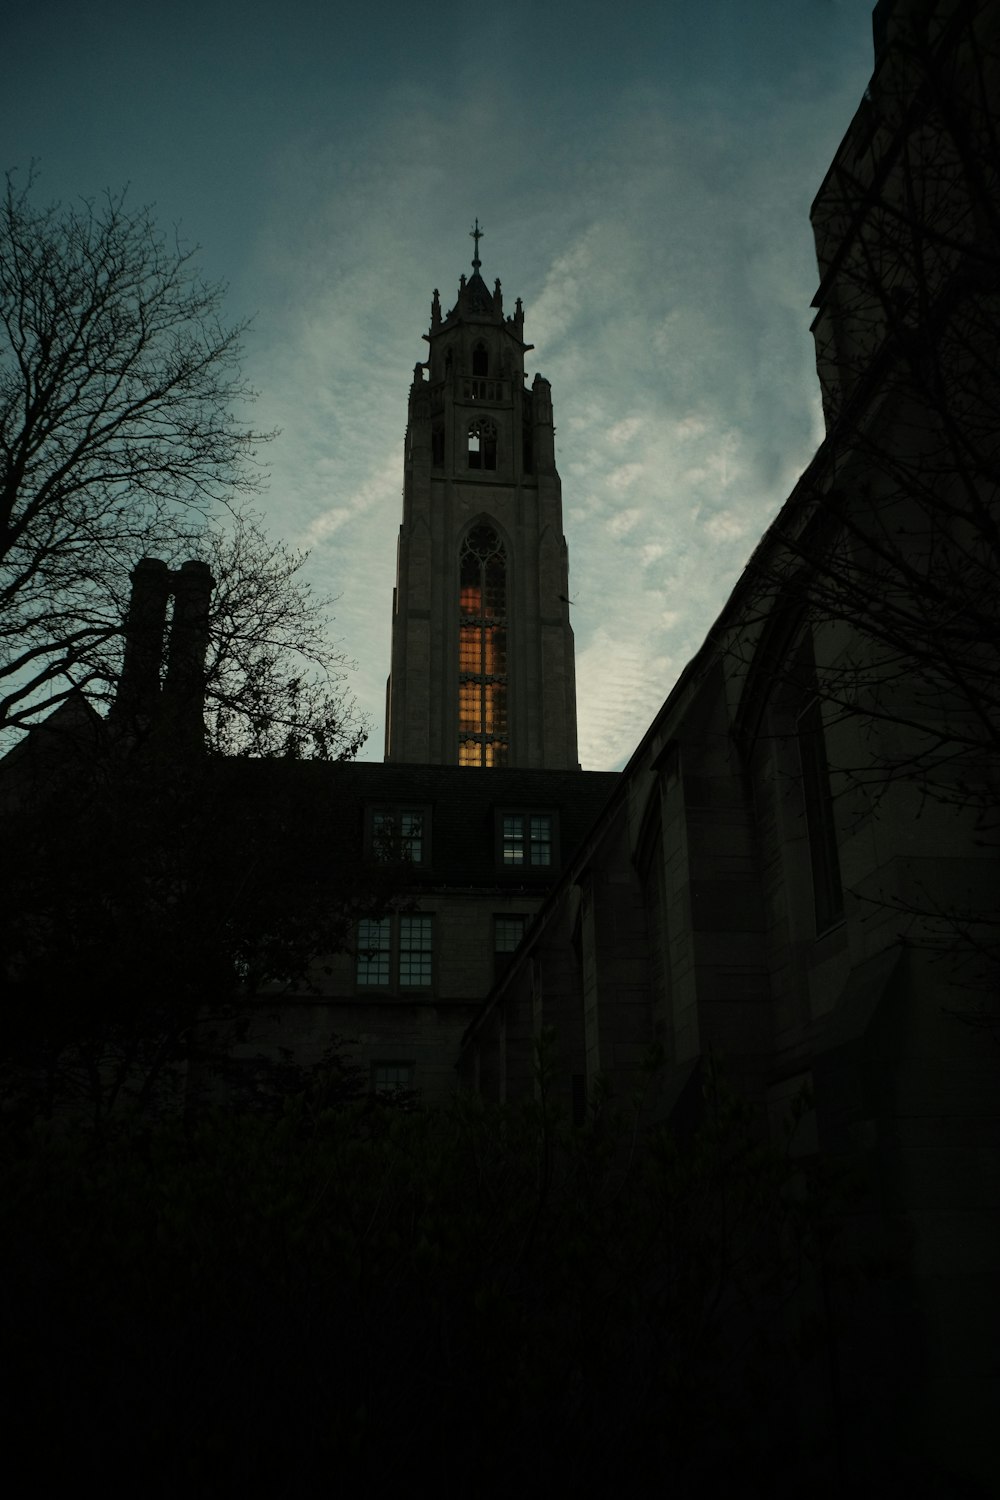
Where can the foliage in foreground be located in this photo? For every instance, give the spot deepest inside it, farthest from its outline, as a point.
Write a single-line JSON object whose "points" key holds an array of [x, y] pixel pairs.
{"points": [[367, 1292]]}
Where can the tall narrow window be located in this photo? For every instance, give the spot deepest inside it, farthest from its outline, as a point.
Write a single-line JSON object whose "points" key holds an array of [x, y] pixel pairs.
{"points": [[480, 360], [482, 445], [373, 951], [414, 952], [507, 933], [482, 650], [827, 890]]}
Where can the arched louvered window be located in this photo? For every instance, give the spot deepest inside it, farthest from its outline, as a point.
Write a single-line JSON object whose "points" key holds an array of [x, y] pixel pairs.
{"points": [[482, 662]]}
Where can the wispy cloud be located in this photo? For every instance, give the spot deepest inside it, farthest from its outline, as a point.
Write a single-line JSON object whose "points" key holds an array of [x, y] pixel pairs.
{"points": [[666, 270]]}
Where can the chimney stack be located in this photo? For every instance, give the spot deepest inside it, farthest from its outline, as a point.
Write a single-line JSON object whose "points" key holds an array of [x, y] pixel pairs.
{"points": [[184, 687], [138, 695], [140, 704]]}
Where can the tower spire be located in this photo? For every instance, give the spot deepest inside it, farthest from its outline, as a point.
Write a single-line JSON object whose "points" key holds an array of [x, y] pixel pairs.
{"points": [[476, 234], [482, 646]]}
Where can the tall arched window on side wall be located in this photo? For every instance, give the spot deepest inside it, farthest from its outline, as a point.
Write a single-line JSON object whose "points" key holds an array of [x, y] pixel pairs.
{"points": [[482, 659], [482, 444]]}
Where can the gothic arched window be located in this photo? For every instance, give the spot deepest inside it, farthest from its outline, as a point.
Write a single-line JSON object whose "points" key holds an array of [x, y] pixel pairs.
{"points": [[482, 447], [480, 360], [482, 651]]}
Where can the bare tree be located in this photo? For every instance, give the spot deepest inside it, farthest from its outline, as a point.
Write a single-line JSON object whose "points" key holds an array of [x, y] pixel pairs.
{"points": [[274, 677], [122, 436]]}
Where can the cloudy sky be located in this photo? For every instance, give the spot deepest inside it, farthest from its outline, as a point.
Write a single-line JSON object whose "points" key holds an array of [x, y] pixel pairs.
{"points": [[644, 173]]}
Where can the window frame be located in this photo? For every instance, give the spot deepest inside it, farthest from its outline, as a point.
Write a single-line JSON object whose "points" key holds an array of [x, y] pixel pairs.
{"points": [[396, 951], [367, 952], [415, 948], [394, 1065], [531, 845], [483, 661], [482, 458], [376, 852], [503, 955]]}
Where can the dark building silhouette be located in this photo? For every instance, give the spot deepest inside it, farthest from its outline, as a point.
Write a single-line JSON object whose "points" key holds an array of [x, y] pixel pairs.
{"points": [[796, 879]]}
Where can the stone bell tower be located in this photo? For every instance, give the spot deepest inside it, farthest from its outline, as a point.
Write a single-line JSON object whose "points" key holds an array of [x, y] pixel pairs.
{"points": [[482, 649]]}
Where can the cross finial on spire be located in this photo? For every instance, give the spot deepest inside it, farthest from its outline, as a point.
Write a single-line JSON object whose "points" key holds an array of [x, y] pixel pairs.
{"points": [[476, 234]]}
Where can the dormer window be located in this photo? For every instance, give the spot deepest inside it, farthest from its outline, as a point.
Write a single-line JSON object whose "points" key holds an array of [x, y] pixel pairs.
{"points": [[526, 840], [398, 835]]}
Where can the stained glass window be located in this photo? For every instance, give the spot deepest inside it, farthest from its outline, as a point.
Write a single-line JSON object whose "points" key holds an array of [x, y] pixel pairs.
{"points": [[482, 650]]}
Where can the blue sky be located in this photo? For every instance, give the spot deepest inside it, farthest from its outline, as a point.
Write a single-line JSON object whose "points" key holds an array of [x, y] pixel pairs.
{"points": [[644, 175]]}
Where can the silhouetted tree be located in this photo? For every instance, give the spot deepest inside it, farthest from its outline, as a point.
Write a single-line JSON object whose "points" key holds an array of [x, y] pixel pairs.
{"points": [[155, 905], [121, 437]]}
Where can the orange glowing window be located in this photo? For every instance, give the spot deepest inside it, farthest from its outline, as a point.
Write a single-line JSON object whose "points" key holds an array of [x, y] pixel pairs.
{"points": [[482, 649]]}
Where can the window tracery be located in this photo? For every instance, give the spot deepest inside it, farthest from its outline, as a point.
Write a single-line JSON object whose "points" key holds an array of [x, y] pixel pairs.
{"points": [[482, 444], [482, 661]]}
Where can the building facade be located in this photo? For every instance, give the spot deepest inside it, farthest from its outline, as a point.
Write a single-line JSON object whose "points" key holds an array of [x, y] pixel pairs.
{"points": [[481, 799], [797, 878]]}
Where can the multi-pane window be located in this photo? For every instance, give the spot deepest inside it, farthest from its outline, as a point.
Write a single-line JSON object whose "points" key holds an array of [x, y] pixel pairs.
{"points": [[387, 1077], [482, 650], [398, 834], [396, 951], [373, 951], [827, 889], [414, 952], [507, 933], [526, 839]]}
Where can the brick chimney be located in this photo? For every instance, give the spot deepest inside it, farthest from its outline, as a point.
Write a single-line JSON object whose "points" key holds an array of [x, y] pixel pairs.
{"points": [[184, 686], [177, 708], [138, 698]]}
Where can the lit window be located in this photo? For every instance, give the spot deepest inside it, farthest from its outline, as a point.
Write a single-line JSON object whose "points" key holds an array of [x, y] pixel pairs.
{"points": [[513, 840], [526, 839], [482, 650], [414, 952], [373, 951]]}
